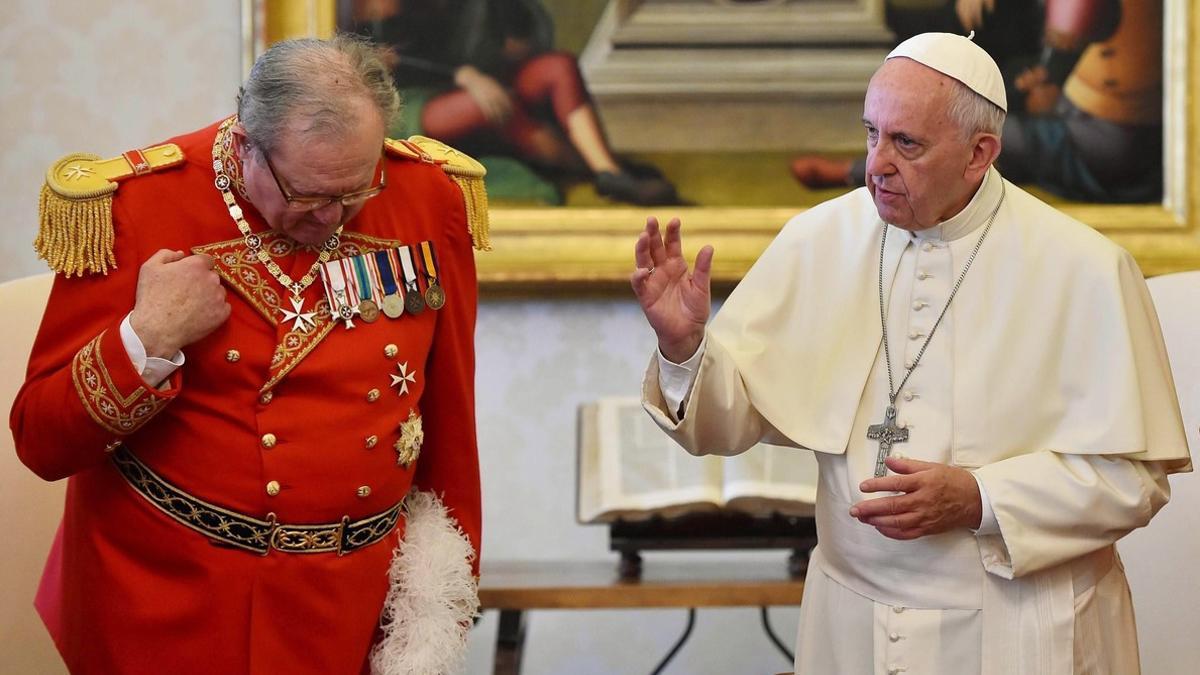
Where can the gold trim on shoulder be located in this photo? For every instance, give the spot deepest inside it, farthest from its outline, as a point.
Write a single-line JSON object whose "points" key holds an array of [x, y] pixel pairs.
{"points": [[75, 234], [463, 169]]}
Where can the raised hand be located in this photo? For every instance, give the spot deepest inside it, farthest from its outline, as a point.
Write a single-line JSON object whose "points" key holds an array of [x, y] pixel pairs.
{"points": [[179, 301], [677, 304], [937, 498]]}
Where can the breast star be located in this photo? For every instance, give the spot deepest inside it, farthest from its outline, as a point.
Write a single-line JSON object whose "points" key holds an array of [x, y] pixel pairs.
{"points": [[405, 378]]}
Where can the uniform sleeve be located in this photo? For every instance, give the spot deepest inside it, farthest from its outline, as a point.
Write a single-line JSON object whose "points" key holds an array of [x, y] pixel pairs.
{"points": [[1054, 507], [82, 394], [449, 463]]}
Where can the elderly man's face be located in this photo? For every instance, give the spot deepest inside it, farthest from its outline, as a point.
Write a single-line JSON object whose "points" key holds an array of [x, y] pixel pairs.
{"points": [[314, 166], [916, 156]]}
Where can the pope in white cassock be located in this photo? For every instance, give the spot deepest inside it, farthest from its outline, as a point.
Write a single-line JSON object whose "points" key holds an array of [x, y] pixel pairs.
{"points": [[982, 379]]}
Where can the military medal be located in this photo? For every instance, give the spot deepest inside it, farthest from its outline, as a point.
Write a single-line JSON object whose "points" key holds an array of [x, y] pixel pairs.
{"points": [[408, 447], [435, 297], [368, 309], [339, 299], [387, 264], [414, 303]]}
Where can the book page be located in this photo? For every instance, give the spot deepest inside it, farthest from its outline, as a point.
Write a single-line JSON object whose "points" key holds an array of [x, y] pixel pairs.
{"points": [[771, 478], [629, 468]]}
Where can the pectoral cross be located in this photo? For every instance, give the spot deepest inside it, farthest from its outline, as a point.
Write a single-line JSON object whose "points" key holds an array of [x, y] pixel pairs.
{"points": [[887, 434]]}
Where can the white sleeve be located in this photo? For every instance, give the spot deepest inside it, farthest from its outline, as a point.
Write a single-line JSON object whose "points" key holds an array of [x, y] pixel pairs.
{"points": [[1052, 507], [676, 379], [154, 370]]}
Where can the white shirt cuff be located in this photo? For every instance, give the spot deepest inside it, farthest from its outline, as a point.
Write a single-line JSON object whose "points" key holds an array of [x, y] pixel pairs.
{"points": [[154, 371], [987, 521], [675, 380]]}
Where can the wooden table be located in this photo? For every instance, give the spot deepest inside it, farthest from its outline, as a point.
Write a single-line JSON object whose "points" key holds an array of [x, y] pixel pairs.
{"points": [[512, 587]]}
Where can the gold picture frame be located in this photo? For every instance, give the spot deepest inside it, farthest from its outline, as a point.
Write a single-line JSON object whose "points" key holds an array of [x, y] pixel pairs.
{"points": [[573, 250]]}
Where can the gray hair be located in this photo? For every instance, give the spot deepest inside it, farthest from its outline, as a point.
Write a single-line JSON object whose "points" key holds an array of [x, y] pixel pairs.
{"points": [[972, 112], [317, 82]]}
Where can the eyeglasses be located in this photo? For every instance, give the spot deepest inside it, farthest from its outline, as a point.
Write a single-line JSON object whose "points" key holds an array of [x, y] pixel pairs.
{"points": [[313, 203]]}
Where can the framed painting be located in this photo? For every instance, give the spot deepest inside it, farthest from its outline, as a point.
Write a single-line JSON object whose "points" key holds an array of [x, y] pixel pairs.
{"points": [[713, 97]]}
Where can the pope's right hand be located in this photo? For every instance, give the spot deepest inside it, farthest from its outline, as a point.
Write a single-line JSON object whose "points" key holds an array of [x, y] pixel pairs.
{"points": [[676, 303], [179, 301]]}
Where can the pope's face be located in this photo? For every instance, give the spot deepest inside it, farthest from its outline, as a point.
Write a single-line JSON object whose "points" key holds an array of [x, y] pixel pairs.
{"points": [[917, 157], [312, 165]]}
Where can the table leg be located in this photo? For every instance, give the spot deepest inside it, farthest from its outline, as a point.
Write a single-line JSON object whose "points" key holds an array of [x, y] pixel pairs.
{"points": [[510, 641]]}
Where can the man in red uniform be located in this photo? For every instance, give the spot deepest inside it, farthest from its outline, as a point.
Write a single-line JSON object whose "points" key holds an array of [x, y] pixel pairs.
{"points": [[257, 370]]}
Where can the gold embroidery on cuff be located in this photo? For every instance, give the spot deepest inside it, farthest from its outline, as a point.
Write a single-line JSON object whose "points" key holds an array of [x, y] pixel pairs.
{"points": [[118, 414]]}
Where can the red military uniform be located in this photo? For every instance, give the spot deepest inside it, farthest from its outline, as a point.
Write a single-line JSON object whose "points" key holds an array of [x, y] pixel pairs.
{"points": [[264, 418]]}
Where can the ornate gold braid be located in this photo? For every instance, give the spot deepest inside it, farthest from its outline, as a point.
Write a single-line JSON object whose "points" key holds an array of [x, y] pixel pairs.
{"points": [[249, 533]]}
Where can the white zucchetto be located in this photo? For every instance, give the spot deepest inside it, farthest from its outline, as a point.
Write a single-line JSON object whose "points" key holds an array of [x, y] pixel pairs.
{"points": [[957, 57]]}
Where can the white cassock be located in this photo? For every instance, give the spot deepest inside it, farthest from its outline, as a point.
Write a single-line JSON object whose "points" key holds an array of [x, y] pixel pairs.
{"points": [[1047, 378]]}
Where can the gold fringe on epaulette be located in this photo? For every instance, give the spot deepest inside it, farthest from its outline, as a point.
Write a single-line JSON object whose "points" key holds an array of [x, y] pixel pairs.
{"points": [[75, 236], [475, 197]]}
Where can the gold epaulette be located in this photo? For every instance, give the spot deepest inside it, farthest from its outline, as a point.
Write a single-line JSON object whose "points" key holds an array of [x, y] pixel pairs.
{"points": [[462, 169], [75, 232]]}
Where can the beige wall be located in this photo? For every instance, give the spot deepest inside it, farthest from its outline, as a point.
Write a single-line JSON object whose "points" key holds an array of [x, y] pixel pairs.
{"points": [[102, 77]]}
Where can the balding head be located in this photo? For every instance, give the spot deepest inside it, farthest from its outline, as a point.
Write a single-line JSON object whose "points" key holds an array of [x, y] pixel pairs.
{"points": [[315, 88]]}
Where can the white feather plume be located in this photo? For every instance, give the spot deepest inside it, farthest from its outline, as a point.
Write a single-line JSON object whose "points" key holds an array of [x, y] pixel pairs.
{"points": [[433, 596]]}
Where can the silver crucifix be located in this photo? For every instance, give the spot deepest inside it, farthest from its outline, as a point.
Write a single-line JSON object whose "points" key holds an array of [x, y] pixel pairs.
{"points": [[887, 434]]}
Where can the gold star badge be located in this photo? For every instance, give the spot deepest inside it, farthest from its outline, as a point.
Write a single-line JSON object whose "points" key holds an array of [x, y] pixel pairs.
{"points": [[408, 448]]}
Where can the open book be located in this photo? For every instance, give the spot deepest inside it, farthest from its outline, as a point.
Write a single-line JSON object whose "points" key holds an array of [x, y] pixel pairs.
{"points": [[630, 469]]}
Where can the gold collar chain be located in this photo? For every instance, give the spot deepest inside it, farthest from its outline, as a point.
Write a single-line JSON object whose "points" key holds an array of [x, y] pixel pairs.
{"points": [[224, 164]]}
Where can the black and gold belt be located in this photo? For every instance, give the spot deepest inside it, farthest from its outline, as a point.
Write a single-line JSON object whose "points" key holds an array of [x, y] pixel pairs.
{"points": [[247, 532]]}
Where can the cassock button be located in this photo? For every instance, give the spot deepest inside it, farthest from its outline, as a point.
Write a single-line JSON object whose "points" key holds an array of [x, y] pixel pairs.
{"points": [[898, 610], [923, 275], [908, 396], [894, 637], [913, 335], [372, 395], [266, 398], [927, 247], [364, 491], [233, 356], [918, 306], [391, 351], [273, 488], [371, 441], [908, 364], [268, 440]]}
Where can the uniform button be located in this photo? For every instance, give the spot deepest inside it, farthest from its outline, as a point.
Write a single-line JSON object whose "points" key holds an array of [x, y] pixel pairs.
{"points": [[895, 670], [908, 396], [919, 305], [923, 275], [233, 356], [915, 334], [391, 351], [364, 491], [273, 488], [927, 247], [268, 440], [371, 441], [266, 398], [908, 364], [898, 610], [372, 395], [894, 637]]}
